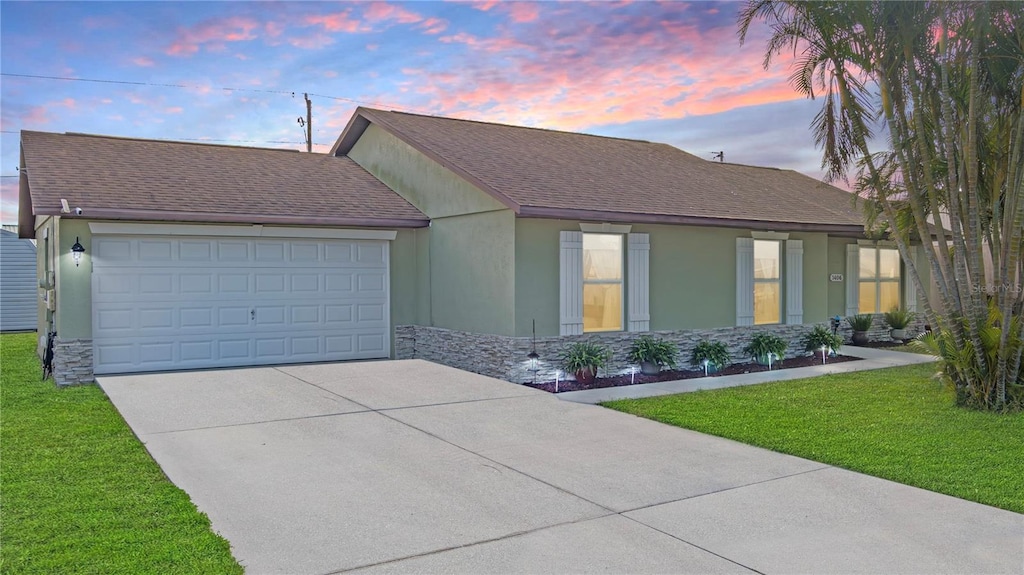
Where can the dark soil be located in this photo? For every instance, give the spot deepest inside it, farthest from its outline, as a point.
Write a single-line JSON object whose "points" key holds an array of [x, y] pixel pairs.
{"points": [[883, 344], [673, 375]]}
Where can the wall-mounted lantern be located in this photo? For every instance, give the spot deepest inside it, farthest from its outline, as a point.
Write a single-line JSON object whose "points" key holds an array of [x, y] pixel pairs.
{"points": [[76, 251]]}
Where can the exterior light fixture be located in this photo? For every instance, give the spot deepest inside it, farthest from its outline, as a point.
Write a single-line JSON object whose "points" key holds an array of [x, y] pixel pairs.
{"points": [[76, 251]]}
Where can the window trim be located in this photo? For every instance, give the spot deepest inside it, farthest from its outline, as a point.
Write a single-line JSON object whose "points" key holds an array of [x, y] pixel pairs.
{"points": [[777, 281], [877, 280], [621, 281]]}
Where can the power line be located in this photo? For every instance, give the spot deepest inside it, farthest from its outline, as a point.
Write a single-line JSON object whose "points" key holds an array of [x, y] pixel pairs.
{"points": [[198, 87], [155, 84]]}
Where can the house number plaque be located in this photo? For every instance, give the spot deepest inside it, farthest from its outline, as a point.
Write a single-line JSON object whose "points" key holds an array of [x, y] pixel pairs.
{"points": [[835, 277]]}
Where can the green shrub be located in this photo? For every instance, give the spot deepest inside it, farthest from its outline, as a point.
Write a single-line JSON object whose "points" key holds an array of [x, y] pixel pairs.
{"points": [[584, 354], [898, 318], [860, 322], [650, 349], [764, 343], [714, 351], [820, 337]]}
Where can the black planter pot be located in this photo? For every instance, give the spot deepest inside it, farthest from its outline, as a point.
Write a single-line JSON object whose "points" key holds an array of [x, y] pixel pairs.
{"points": [[860, 338], [650, 368]]}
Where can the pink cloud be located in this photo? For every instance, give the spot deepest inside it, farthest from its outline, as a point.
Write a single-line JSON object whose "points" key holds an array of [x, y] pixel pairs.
{"points": [[547, 72], [372, 47], [378, 11], [174, 110], [337, 22], [522, 12], [143, 61], [433, 26], [311, 41], [212, 34], [9, 200]]}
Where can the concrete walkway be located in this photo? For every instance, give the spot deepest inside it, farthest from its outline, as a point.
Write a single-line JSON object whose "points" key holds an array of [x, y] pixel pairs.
{"points": [[412, 467], [872, 359]]}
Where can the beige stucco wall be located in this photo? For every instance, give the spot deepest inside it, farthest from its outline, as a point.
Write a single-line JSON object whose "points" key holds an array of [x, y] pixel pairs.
{"points": [[692, 275], [45, 265], [472, 272], [74, 284], [433, 189], [468, 279]]}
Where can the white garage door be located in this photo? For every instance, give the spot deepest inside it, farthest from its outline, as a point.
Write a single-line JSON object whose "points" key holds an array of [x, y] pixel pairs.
{"points": [[163, 303]]}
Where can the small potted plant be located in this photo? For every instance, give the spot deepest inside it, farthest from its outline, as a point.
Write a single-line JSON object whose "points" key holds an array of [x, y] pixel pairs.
{"points": [[860, 324], [898, 320], [820, 338], [583, 358], [764, 343], [652, 353], [714, 352]]}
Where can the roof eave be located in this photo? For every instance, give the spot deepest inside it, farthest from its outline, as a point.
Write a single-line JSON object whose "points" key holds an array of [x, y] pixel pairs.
{"points": [[222, 218], [357, 124], [26, 217], [847, 230]]}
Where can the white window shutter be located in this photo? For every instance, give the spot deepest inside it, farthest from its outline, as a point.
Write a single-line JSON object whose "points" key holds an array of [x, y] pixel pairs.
{"points": [[744, 281], [908, 282], [852, 279], [570, 292], [794, 282], [638, 282]]}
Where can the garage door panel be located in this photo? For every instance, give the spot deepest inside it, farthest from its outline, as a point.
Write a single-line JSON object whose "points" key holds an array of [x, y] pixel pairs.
{"points": [[232, 251], [157, 250], [180, 303], [195, 250]]}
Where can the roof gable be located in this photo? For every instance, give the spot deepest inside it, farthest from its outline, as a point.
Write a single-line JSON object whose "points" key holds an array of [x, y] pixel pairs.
{"points": [[548, 173]]}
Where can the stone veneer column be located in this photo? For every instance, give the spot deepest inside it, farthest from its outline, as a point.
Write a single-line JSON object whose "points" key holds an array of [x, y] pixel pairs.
{"points": [[72, 361]]}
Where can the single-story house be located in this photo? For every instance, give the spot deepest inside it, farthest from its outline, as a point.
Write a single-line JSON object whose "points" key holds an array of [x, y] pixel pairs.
{"points": [[463, 242], [17, 282]]}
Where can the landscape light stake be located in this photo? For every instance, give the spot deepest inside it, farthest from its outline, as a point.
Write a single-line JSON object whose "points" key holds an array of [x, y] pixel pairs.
{"points": [[705, 363], [533, 356]]}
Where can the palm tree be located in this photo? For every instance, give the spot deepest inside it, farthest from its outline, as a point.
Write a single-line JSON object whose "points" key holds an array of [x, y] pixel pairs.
{"points": [[943, 82]]}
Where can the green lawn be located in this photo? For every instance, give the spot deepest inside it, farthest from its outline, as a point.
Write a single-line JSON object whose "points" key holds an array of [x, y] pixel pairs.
{"points": [[79, 493], [895, 423]]}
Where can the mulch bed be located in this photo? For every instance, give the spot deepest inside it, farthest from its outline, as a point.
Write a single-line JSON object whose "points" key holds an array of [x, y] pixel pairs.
{"points": [[673, 375], [883, 344]]}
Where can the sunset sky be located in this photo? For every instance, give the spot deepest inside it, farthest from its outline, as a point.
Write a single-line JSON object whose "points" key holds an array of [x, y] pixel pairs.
{"points": [[235, 72]]}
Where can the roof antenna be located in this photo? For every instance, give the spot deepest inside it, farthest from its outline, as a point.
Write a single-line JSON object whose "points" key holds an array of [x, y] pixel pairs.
{"points": [[720, 156]]}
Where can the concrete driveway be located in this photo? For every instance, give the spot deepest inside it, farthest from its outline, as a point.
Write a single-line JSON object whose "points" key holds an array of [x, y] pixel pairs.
{"points": [[409, 466]]}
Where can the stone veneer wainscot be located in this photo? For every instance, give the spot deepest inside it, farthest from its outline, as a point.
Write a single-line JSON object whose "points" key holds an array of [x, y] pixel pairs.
{"points": [[72, 361], [504, 357]]}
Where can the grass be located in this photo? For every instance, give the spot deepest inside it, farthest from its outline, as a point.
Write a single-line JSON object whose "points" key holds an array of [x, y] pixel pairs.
{"points": [[895, 423], [80, 494]]}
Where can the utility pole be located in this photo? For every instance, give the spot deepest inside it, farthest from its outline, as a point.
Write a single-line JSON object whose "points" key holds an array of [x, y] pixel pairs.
{"points": [[309, 123]]}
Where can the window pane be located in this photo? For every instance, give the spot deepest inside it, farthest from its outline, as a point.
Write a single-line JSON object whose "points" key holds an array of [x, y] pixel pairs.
{"points": [[890, 297], [868, 263], [867, 297], [602, 307], [602, 257], [888, 264], [766, 259], [767, 307]]}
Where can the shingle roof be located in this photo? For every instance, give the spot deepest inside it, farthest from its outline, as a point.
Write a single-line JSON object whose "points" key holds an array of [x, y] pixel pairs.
{"points": [[126, 178], [547, 173]]}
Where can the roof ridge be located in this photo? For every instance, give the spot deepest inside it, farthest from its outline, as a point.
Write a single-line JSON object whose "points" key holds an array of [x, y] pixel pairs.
{"points": [[550, 130], [163, 141]]}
